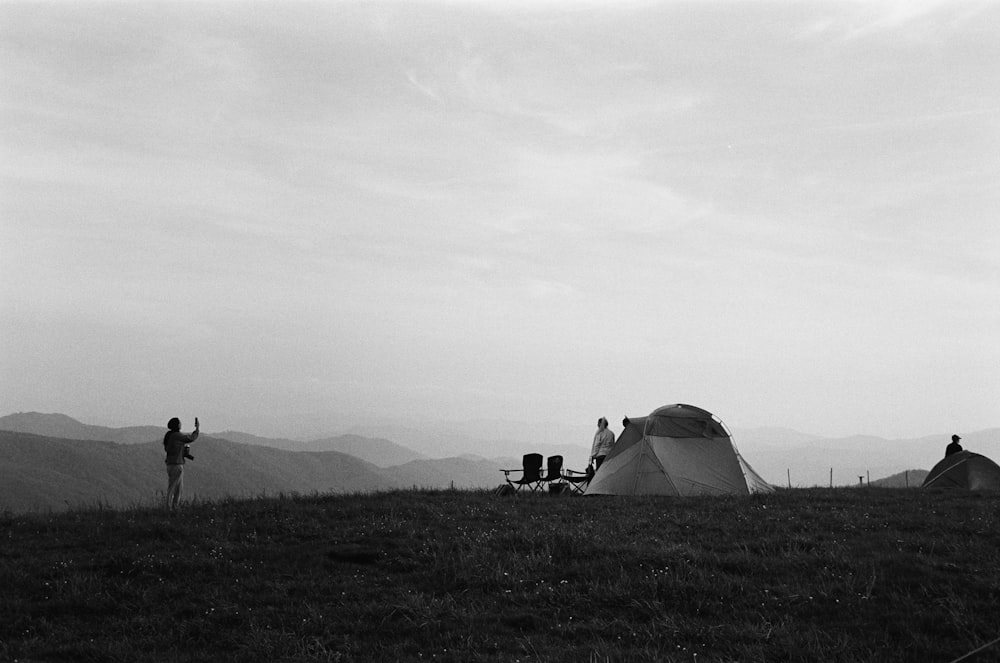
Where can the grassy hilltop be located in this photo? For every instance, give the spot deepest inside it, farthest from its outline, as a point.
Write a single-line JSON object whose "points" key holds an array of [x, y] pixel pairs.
{"points": [[804, 575]]}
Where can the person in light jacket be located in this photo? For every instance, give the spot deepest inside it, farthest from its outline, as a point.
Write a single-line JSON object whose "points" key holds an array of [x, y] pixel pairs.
{"points": [[176, 444], [604, 439]]}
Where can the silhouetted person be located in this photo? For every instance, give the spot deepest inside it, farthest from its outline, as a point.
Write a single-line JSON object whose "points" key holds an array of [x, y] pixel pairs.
{"points": [[176, 444], [604, 439], [954, 447]]}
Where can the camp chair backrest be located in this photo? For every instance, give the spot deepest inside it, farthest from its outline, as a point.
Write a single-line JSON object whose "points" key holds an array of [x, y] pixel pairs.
{"points": [[554, 468], [532, 466]]}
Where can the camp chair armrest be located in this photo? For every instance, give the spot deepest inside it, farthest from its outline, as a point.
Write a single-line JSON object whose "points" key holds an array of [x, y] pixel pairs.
{"points": [[570, 473]]}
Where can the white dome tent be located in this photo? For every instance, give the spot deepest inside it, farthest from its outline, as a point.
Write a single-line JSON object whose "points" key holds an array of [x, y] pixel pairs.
{"points": [[964, 469], [677, 450]]}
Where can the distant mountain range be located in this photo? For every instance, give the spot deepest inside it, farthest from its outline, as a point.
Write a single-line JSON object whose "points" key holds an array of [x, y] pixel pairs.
{"points": [[378, 451], [42, 473], [60, 425], [51, 461], [785, 457], [908, 479], [70, 464]]}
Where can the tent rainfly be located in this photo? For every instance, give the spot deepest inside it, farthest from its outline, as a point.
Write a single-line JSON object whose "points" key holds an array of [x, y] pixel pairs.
{"points": [[964, 470], [677, 450]]}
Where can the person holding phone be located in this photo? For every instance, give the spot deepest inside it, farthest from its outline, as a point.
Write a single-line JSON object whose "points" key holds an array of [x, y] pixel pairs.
{"points": [[177, 446]]}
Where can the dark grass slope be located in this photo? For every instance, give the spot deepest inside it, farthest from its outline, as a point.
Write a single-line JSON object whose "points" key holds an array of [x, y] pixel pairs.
{"points": [[807, 575]]}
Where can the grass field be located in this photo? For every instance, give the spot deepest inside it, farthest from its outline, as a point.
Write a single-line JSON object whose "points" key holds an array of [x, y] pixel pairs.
{"points": [[799, 575]]}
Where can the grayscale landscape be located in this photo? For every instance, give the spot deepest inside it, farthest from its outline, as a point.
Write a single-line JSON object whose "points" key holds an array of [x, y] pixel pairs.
{"points": [[741, 257]]}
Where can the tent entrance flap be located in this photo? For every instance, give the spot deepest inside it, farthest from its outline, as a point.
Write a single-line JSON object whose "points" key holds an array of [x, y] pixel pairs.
{"points": [[650, 474]]}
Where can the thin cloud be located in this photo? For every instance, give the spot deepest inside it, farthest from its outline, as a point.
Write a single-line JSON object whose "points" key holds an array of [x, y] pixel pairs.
{"points": [[919, 19], [424, 89]]}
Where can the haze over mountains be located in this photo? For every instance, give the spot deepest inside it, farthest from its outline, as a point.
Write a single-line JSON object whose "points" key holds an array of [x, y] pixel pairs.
{"points": [[53, 461], [381, 444]]}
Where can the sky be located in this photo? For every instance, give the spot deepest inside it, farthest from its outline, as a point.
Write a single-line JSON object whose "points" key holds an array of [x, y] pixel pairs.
{"points": [[286, 217]]}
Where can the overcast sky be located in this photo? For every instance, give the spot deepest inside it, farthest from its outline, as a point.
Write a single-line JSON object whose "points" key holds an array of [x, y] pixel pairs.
{"points": [[787, 213]]}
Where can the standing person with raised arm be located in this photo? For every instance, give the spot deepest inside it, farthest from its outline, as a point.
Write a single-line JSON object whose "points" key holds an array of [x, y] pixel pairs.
{"points": [[177, 447]]}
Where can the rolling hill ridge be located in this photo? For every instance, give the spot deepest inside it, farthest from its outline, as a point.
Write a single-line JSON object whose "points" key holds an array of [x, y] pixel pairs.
{"points": [[43, 472], [51, 461]]}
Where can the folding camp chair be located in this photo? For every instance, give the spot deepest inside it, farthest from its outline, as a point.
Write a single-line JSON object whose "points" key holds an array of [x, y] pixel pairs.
{"points": [[531, 473], [578, 481]]}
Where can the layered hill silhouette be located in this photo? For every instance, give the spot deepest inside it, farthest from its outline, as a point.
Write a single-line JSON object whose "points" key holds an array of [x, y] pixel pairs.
{"points": [[808, 460], [908, 479], [63, 426], [377, 451], [45, 472], [52, 461]]}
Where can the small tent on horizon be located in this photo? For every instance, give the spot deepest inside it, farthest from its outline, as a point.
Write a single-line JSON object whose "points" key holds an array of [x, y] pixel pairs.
{"points": [[677, 450], [964, 469]]}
